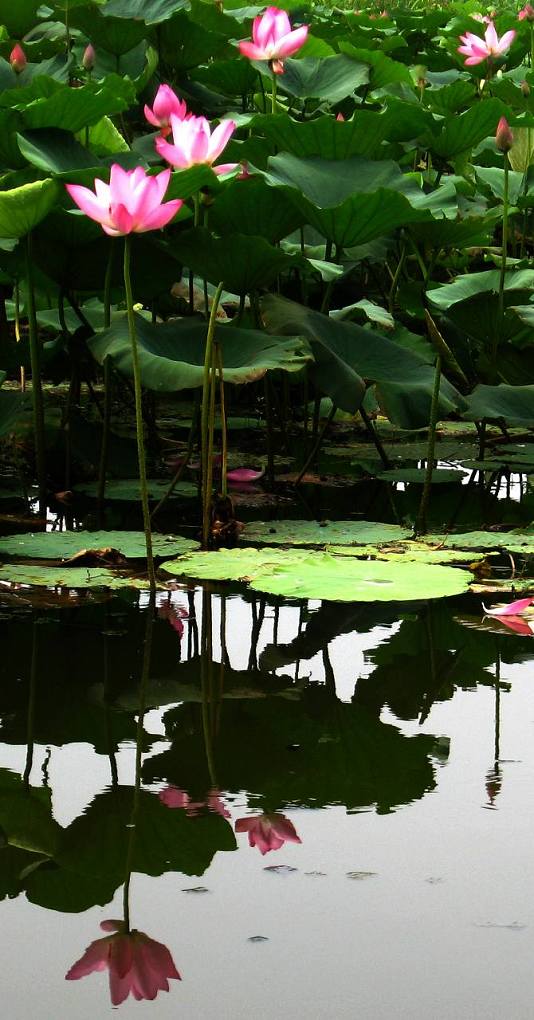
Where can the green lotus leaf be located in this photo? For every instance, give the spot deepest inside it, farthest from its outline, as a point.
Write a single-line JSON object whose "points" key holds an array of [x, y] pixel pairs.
{"points": [[67, 577], [261, 211], [19, 17], [127, 489], [52, 545], [463, 132], [416, 476], [512, 541], [383, 70], [322, 533], [55, 151], [328, 78], [244, 264], [513, 404], [152, 12], [21, 209]]}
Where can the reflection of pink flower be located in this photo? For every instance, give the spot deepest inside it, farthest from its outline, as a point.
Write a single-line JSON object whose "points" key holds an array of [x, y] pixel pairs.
{"points": [[493, 785], [273, 39], [175, 615], [173, 797], [130, 203], [136, 963], [268, 832], [165, 102], [476, 49], [194, 142]]}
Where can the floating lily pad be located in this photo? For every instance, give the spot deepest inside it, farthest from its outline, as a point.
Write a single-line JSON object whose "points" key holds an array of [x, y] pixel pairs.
{"points": [[67, 577], [511, 541], [406, 551], [127, 489], [52, 545], [323, 575], [416, 476], [322, 533]]}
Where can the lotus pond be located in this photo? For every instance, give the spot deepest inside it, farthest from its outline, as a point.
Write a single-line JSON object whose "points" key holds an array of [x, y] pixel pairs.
{"points": [[266, 509]]}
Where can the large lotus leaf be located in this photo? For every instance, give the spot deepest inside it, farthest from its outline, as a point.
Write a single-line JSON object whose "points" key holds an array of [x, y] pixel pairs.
{"points": [[244, 264], [171, 355], [457, 233], [383, 70], [322, 533], [67, 577], [493, 178], [450, 99], [152, 12], [513, 404], [328, 78], [404, 551], [322, 575], [127, 489], [185, 45], [329, 138], [116, 35], [55, 151], [260, 211], [471, 302], [326, 183], [345, 352], [52, 545], [512, 541], [463, 132], [21, 209], [26, 815], [232, 77], [19, 17]]}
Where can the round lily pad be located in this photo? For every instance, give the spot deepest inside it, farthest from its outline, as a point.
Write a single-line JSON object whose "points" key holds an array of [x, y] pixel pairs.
{"points": [[62, 545], [512, 541], [67, 577], [298, 573], [127, 489], [405, 551], [322, 533]]}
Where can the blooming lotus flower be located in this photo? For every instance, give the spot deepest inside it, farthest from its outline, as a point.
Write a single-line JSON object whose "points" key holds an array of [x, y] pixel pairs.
{"points": [[273, 39], [136, 963], [477, 49], [18, 59], [130, 203], [517, 608], [526, 13], [268, 831], [194, 142], [166, 102]]}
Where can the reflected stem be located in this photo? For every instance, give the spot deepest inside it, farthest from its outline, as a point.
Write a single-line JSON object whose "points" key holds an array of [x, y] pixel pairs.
{"points": [[30, 719]]}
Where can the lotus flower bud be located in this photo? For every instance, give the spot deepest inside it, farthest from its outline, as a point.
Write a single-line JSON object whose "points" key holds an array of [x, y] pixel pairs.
{"points": [[340, 117], [525, 89], [527, 13], [503, 136], [89, 58], [18, 59]]}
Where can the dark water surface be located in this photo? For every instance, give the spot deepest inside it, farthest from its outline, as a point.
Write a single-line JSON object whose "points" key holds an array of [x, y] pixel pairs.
{"points": [[396, 741]]}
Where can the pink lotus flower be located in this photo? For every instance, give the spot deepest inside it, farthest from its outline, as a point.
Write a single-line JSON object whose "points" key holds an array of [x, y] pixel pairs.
{"points": [[166, 102], [516, 608], [477, 49], [89, 58], [130, 203], [273, 39], [504, 138], [136, 963], [194, 142], [174, 798], [526, 13], [18, 59], [238, 476], [268, 832]]}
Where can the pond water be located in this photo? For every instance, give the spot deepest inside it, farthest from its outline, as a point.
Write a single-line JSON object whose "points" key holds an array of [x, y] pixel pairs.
{"points": [[397, 742]]}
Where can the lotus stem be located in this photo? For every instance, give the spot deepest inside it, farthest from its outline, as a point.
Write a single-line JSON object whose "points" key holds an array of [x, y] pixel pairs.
{"points": [[138, 413], [371, 431], [182, 466], [421, 523], [273, 95], [206, 421], [37, 392], [106, 414], [503, 263], [17, 333], [316, 447], [224, 434]]}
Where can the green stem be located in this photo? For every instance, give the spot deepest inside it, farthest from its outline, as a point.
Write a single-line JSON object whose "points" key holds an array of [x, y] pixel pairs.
{"points": [[498, 326], [273, 96], [224, 434], [17, 333], [106, 415], [138, 413], [421, 523], [37, 392], [316, 447], [206, 424], [531, 45]]}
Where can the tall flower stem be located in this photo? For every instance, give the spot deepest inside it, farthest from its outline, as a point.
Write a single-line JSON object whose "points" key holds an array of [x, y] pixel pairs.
{"points": [[273, 95], [138, 413], [503, 264], [37, 391], [207, 418], [106, 423], [421, 523], [224, 434]]}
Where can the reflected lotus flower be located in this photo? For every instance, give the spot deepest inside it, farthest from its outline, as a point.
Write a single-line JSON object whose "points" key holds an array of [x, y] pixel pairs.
{"points": [[273, 39], [130, 203], [136, 963], [175, 615], [166, 102], [173, 798], [268, 831], [18, 59], [526, 13], [477, 49], [493, 785], [194, 143]]}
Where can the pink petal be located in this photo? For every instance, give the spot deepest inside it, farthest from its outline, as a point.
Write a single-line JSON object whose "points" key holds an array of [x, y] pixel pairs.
{"points": [[174, 155], [263, 27], [292, 42], [121, 219], [506, 41], [150, 117], [516, 623], [491, 37], [244, 475], [512, 609], [224, 168], [252, 51], [161, 216], [200, 141], [89, 203], [220, 138], [172, 797], [96, 957]]}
